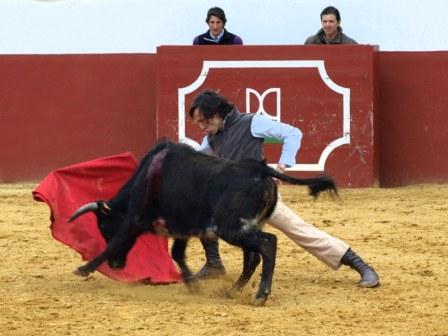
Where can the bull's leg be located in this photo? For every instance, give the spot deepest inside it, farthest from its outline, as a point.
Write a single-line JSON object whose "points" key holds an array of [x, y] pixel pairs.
{"points": [[178, 254], [268, 251], [264, 244], [124, 239], [91, 266], [250, 263]]}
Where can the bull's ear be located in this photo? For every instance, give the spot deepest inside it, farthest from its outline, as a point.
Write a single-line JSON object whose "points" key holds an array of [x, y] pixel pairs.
{"points": [[104, 207]]}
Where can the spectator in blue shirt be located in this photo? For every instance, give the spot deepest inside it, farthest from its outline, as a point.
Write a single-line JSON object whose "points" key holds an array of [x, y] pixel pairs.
{"points": [[216, 34]]}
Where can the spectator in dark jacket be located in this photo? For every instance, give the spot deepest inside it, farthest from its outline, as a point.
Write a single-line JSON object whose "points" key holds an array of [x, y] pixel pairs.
{"points": [[217, 34], [331, 31]]}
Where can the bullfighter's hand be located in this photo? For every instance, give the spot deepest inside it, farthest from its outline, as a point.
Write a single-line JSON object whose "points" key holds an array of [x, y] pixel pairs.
{"points": [[281, 168]]}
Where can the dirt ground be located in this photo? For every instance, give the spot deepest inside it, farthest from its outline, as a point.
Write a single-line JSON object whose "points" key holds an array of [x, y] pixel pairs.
{"points": [[403, 232]]}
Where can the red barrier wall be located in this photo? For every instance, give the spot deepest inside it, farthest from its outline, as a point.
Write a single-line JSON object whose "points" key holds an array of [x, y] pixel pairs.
{"points": [[414, 119], [57, 110], [310, 84]]}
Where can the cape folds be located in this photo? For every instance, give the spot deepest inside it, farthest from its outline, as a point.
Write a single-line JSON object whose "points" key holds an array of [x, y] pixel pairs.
{"points": [[66, 189]]}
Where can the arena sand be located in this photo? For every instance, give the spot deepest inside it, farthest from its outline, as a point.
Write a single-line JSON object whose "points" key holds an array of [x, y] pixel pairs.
{"points": [[403, 232]]}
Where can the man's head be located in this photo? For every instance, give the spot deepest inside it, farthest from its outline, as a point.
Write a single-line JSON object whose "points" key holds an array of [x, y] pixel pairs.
{"points": [[331, 20], [209, 110], [216, 20]]}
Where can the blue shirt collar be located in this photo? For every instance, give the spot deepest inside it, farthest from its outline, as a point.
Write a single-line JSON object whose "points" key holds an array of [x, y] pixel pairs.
{"points": [[217, 38]]}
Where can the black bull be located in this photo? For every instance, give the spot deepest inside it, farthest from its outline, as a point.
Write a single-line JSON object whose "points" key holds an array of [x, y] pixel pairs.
{"points": [[182, 193]]}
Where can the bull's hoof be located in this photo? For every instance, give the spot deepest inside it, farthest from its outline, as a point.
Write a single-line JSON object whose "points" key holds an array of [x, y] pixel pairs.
{"points": [[231, 293], [259, 301], [210, 272], [192, 283], [81, 272], [260, 298], [189, 279], [193, 287], [116, 264]]}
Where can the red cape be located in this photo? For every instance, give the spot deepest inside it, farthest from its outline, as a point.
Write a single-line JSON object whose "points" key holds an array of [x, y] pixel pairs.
{"points": [[66, 189]]}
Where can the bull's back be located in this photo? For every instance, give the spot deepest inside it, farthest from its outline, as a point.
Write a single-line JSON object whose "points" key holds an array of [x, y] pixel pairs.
{"points": [[194, 184], [183, 191]]}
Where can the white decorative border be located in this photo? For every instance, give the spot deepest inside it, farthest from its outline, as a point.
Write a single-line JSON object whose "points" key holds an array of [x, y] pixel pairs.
{"points": [[261, 110], [319, 64]]}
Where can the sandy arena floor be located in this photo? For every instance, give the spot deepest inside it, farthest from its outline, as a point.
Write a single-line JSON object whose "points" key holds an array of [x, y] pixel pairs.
{"points": [[403, 232]]}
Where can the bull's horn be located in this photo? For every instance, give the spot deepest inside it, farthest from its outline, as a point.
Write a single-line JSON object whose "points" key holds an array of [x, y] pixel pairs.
{"points": [[82, 210]]}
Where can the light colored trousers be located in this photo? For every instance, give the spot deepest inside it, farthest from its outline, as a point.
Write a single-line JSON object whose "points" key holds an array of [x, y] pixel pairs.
{"points": [[320, 244]]}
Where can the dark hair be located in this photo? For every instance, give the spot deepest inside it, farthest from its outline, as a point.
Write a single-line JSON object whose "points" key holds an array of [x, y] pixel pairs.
{"points": [[331, 10], [211, 103], [218, 12]]}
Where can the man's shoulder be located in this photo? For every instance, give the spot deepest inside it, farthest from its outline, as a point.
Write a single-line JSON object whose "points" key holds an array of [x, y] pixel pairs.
{"points": [[244, 115], [196, 39], [314, 39], [237, 40], [310, 39], [232, 38], [347, 40]]}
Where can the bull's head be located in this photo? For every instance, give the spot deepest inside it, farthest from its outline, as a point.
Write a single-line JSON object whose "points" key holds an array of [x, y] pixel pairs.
{"points": [[109, 222]]}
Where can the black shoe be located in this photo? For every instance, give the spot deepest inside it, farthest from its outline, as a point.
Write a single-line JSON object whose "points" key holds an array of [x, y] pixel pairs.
{"points": [[369, 278]]}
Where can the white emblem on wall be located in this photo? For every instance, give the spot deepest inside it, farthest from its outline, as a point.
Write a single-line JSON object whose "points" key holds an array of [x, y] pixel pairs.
{"points": [[261, 110], [281, 64]]}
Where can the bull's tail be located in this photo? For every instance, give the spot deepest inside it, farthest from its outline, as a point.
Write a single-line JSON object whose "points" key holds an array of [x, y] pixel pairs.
{"points": [[315, 185]]}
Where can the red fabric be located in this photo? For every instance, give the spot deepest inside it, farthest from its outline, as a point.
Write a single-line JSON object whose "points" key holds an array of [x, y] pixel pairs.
{"points": [[66, 189]]}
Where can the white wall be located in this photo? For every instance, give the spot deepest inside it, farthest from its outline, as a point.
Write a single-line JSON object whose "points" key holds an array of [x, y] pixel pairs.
{"points": [[122, 26]]}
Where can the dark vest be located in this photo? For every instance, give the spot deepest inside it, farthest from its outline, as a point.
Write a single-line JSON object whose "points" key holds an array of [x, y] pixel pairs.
{"points": [[235, 141], [205, 38]]}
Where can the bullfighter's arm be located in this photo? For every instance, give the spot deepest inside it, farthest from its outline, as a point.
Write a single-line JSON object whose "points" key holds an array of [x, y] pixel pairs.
{"points": [[291, 137]]}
